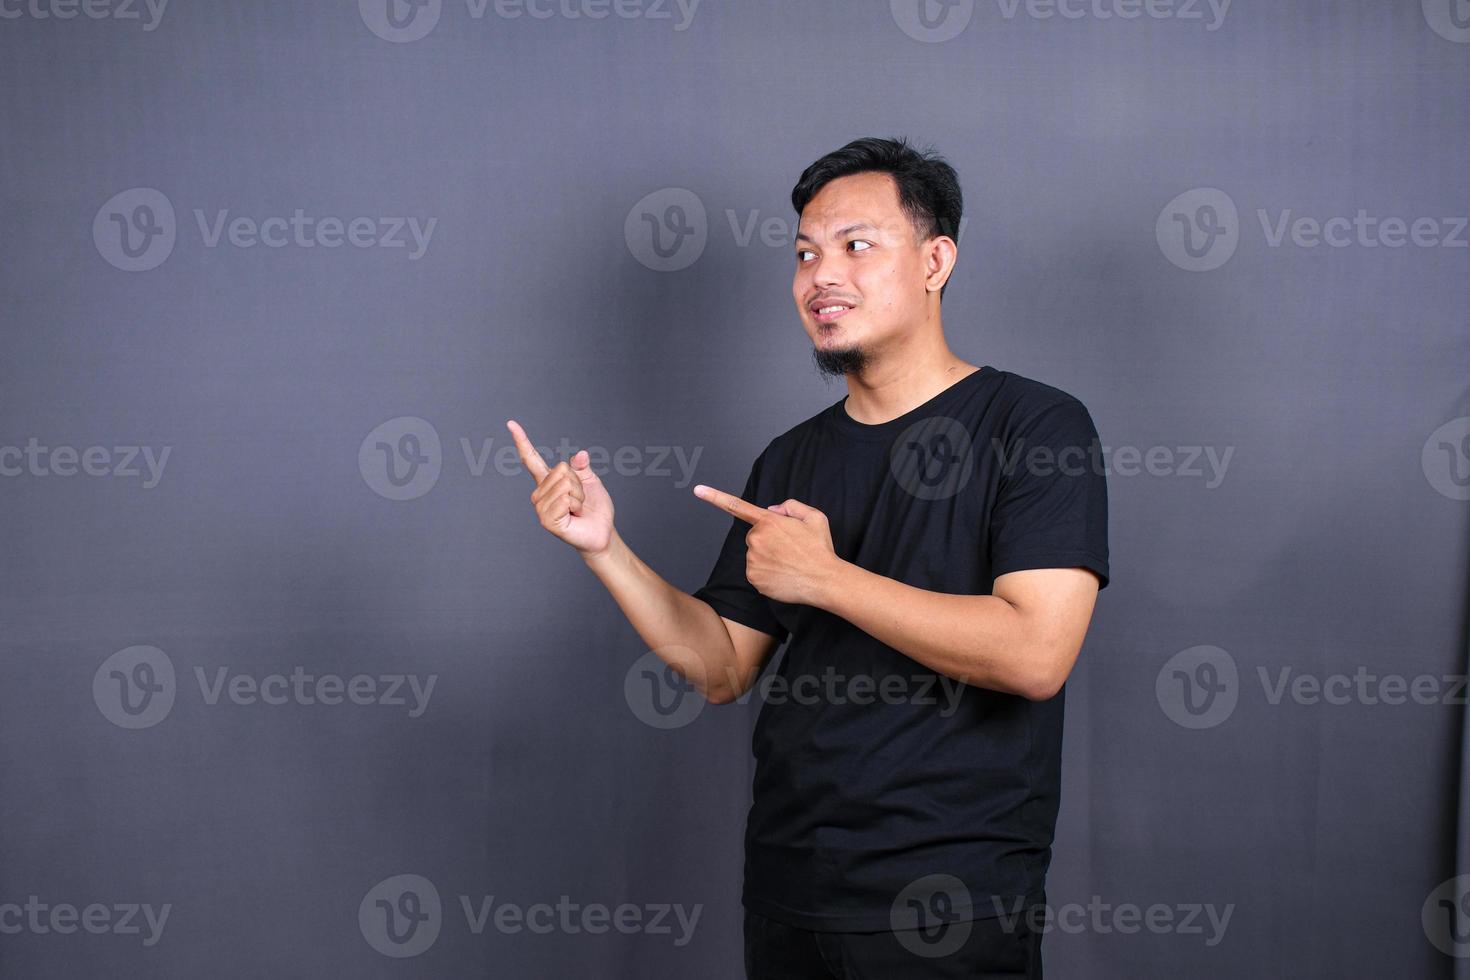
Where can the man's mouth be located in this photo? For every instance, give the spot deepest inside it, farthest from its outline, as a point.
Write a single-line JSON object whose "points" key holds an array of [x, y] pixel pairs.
{"points": [[827, 312]]}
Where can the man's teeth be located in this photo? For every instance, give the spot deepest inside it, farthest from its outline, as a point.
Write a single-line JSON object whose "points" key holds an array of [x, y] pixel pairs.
{"points": [[831, 309]]}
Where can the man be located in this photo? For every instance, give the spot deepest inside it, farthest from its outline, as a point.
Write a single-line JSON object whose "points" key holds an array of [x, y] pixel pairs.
{"points": [[933, 546]]}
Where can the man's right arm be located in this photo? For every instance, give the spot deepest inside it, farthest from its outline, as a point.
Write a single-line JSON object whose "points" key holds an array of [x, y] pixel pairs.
{"points": [[719, 656]]}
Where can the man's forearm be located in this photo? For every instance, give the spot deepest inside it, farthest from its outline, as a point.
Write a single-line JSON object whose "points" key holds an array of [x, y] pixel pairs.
{"points": [[977, 639], [685, 632]]}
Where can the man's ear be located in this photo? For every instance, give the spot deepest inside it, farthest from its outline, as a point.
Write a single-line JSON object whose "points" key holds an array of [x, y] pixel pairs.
{"points": [[940, 255]]}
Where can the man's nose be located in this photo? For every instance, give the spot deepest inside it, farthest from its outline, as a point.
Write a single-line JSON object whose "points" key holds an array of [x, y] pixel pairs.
{"points": [[829, 271]]}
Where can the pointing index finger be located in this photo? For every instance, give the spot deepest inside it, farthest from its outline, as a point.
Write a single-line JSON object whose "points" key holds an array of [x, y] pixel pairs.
{"points": [[529, 456], [747, 512]]}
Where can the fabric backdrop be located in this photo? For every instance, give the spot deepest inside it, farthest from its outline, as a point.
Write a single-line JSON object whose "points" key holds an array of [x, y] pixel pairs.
{"points": [[297, 686]]}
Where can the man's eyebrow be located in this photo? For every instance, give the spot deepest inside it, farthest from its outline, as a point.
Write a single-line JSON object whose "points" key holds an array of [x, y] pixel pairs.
{"points": [[860, 226]]}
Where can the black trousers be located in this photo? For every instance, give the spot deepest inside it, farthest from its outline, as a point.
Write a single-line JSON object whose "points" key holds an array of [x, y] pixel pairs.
{"points": [[987, 948]]}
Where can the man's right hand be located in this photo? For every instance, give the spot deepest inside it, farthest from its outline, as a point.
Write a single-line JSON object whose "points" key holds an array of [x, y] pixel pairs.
{"points": [[570, 500]]}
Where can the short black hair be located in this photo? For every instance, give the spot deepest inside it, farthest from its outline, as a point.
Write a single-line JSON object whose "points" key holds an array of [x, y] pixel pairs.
{"points": [[928, 188]]}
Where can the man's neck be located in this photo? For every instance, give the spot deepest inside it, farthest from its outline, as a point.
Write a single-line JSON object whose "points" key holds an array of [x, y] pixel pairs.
{"points": [[884, 392]]}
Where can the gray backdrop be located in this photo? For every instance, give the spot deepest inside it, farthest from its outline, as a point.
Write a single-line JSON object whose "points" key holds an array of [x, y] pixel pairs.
{"points": [[275, 274]]}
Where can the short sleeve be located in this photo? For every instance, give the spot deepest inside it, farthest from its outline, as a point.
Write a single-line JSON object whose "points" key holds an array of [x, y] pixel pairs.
{"points": [[1051, 507], [728, 591]]}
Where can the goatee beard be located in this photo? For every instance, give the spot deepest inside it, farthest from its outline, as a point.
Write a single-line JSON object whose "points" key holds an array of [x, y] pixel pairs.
{"points": [[835, 361]]}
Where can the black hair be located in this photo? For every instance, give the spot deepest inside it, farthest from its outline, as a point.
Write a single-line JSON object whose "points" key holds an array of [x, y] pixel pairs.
{"points": [[928, 188]]}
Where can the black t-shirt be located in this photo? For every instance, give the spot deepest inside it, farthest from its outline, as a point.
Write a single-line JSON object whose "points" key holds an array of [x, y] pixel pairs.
{"points": [[865, 787]]}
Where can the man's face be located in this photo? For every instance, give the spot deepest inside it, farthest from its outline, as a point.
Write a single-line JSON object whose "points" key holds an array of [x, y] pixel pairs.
{"points": [[857, 250]]}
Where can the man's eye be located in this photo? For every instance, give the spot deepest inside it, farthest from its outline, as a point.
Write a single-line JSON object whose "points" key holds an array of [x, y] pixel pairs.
{"points": [[803, 251], [859, 241]]}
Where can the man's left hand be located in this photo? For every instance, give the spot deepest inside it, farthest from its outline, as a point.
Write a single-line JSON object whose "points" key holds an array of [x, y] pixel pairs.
{"points": [[788, 550]]}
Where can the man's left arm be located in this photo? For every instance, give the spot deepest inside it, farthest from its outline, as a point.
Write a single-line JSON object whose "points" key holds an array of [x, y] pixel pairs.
{"points": [[1047, 544], [1022, 639]]}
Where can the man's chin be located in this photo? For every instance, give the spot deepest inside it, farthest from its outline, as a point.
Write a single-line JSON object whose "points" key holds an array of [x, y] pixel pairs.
{"points": [[834, 360]]}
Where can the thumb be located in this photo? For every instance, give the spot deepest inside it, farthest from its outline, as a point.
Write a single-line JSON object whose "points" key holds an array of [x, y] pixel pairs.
{"points": [[582, 465], [795, 508]]}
